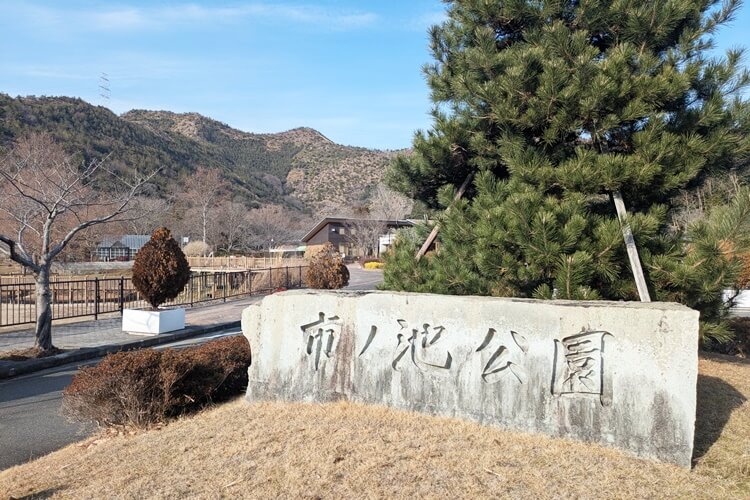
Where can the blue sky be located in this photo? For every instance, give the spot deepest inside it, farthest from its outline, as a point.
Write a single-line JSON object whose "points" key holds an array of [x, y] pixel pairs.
{"points": [[350, 69]]}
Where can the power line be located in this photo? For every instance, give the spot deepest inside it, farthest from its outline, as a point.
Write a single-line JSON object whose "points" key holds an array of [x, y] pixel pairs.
{"points": [[104, 90]]}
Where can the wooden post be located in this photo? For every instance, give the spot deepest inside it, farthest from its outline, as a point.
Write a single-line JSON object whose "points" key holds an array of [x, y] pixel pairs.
{"points": [[433, 234], [627, 234]]}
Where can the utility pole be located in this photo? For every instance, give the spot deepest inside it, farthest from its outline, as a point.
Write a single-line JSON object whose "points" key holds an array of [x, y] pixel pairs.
{"points": [[104, 89]]}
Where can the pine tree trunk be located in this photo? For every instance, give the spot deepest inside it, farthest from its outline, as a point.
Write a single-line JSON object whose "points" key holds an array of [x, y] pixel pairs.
{"points": [[43, 310]]}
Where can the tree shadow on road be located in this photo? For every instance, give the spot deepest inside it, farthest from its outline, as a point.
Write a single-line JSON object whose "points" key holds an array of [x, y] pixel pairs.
{"points": [[15, 389]]}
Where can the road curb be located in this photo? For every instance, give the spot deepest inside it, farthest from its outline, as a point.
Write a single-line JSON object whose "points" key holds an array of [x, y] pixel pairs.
{"points": [[10, 369]]}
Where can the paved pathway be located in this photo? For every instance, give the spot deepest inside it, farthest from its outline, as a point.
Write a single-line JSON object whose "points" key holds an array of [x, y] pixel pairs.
{"points": [[94, 333]]}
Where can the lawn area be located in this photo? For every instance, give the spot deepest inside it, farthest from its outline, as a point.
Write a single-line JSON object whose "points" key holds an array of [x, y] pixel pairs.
{"points": [[351, 450]]}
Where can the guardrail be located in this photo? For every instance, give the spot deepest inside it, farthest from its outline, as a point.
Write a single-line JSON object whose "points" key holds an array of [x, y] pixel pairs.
{"points": [[93, 297]]}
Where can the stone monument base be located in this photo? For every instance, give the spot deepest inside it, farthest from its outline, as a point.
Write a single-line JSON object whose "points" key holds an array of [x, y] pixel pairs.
{"points": [[618, 373]]}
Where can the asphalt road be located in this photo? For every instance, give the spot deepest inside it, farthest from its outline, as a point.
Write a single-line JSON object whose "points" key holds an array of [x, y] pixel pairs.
{"points": [[31, 424], [361, 279]]}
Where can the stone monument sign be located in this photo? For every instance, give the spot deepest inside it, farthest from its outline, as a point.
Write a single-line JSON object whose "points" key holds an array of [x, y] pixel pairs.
{"points": [[618, 373]]}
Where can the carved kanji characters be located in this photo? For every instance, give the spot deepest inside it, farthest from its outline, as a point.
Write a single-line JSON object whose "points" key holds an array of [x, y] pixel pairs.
{"points": [[417, 343], [501, 362], [579, 366], [321, 337]]}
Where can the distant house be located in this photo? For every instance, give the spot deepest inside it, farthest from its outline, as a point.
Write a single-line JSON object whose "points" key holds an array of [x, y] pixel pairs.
{"points": [[122, 248], [341, 233], [287, 250]]}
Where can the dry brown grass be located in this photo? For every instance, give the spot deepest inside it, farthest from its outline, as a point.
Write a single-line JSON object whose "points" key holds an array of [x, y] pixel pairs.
{"points": [[29, 353], [351, 450]]}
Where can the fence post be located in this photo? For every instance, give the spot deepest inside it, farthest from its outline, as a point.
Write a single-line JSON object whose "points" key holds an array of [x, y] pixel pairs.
{"points": [[270, 279], [226, 275], [287, 277], [250, 279], [96, 297], [299, 268], [122, 294], [190, 286]]}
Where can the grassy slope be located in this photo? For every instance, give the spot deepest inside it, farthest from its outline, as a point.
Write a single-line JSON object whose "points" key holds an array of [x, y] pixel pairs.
{"points": [[343, 449]]}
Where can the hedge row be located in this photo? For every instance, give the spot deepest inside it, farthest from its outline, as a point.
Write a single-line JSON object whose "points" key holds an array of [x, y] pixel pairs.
{"points": [[144, 387]]}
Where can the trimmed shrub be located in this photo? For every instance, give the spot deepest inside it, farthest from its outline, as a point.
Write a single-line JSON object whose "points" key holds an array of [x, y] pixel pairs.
{"points": [[313, 250], [160, 269], [141, 388], [123, 389], [367, 260], [197, 249], [261, 280], [327, 270]]}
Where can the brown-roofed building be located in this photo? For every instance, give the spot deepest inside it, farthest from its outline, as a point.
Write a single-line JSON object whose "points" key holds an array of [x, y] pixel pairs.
{"points": [[342, 233]]}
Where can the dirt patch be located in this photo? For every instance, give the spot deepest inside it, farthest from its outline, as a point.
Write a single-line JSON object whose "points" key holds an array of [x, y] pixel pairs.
{"points": [[30, 353], [350, 450]]}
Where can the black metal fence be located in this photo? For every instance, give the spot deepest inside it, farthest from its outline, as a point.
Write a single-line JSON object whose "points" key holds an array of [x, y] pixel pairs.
{"points": [[93, 297]]}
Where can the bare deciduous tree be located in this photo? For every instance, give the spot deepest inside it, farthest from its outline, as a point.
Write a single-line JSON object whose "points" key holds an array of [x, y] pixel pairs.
{"points": [[272, 224], [203, 191], [366, 228], [230, 227], [386, 203], [364, 234], [46, 201], [149, 214]]}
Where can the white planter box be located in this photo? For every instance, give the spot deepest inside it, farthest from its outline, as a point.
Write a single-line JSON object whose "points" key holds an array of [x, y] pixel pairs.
{"points": [[153, 322]]}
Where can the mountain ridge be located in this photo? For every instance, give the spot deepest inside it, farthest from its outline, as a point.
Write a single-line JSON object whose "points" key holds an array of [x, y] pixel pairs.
{"points": [[299, 168]]}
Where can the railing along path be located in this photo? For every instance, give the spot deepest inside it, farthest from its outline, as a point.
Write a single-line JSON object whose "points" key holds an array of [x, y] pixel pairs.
{"points": [[74, 298]]}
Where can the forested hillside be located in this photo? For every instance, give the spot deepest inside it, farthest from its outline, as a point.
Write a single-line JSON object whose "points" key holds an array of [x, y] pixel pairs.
{"points": [[299, 168]]}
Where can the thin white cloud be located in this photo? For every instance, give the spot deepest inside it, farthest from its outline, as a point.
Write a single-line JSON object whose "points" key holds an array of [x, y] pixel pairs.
{"points": [[432, 18], [129, 19], [119, 20], [36, 71]]}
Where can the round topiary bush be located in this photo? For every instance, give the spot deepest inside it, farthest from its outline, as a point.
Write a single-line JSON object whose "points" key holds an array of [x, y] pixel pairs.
{"points": [[197, 249], [327, 270], [160, 270]]}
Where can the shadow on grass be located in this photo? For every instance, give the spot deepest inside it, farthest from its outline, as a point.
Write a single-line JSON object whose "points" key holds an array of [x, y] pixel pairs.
{"points": [[39, 495], [716, 401]]}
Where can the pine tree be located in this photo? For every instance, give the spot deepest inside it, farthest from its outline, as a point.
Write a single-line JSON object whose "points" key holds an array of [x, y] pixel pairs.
{"points": [[553, 107]]}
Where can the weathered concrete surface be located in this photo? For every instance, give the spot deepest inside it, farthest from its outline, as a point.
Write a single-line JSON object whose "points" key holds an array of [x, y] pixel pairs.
{"points": [[622, 374]]}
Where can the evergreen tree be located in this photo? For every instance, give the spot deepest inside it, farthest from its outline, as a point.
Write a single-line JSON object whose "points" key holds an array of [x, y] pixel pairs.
{"points": [[554, 106], [160, 269]]}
